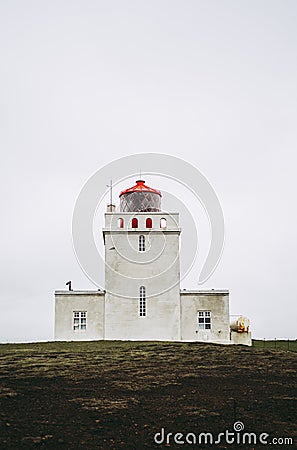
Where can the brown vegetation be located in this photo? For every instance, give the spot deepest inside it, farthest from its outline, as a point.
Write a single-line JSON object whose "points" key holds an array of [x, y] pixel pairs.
{"points": [[117, 395]]}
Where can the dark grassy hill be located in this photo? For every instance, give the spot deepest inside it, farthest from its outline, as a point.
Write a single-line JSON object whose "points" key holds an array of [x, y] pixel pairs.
{"points": [[113, 395]]}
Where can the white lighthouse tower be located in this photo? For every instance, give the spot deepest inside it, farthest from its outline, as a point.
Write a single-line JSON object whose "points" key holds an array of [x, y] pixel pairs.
{"points": [[142, 268]]}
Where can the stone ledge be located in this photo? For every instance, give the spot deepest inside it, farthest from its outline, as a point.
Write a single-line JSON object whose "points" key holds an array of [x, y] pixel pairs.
{"points": [[67, 292], [208, 291]]}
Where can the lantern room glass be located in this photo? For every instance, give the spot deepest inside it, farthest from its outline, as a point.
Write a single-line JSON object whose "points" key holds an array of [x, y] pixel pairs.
{"points": [[140, 202]]}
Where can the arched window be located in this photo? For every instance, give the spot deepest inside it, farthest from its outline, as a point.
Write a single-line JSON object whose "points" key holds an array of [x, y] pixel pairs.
{"points": [[120, 223], [134, 223], [141, 243], [163, 222], [142, 302], [148, 223]]}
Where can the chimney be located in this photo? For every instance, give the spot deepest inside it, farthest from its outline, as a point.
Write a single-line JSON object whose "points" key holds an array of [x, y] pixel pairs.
{"points": [[110, 208]]}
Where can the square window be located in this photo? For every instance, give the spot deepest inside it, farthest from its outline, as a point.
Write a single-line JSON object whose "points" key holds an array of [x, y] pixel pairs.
{"points": [[79, 320], [204, 320]]}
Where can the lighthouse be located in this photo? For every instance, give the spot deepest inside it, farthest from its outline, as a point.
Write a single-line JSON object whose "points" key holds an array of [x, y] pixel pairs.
{"points": [[142, 299], [142, 267]]}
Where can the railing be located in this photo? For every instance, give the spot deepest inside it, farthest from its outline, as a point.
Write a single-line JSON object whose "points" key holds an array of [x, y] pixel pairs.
{"points": [[276, 344]]}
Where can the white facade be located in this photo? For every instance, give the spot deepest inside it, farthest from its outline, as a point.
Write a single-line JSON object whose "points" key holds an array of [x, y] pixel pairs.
{"points": [[195, 302], [156, 269], [142, 298], [69, 302]]}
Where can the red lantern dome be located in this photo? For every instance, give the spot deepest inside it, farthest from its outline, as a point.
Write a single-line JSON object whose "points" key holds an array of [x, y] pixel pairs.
{"points": [[140, 198]]}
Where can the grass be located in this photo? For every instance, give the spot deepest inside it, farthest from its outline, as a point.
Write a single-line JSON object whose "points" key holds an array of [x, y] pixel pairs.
{"points": [[276, 344], [117, 395]]}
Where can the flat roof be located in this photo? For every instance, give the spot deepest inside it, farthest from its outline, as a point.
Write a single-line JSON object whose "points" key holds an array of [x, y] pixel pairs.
{"points": [[183, 291], [204, 291], [75, 292]]}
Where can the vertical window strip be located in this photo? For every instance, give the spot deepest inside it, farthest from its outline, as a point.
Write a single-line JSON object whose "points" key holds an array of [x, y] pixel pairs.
{"points": [[142, 302], [141, 243]]}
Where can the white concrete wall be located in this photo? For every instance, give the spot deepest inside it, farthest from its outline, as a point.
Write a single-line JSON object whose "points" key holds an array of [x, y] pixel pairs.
{"points": [[109, 317], [127, 269], [111, 220], [68, 301], [215, 301], [241, 338], [122, 320]]}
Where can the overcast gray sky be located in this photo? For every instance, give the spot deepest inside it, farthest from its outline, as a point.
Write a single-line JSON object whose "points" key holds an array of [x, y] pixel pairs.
{"points": [[86, 82]]}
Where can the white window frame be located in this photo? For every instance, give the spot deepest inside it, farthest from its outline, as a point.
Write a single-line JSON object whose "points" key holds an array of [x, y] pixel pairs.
{"points": [[79, 321], [142, 301], [141, 243], [204, 320]]}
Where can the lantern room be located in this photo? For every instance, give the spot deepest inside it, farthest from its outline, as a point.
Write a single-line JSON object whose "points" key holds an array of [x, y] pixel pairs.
{"points": [[140, 198]]}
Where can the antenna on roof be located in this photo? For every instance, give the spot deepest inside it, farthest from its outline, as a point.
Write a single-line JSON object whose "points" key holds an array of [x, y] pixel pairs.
{"points": [[110, 191], [140, 174]]}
